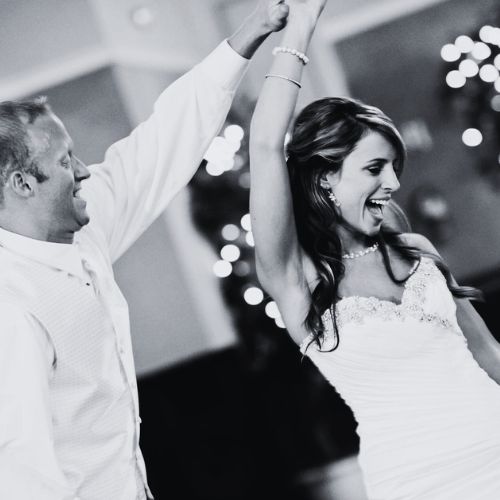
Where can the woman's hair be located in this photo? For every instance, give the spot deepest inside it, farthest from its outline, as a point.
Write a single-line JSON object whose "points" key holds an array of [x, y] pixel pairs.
{"points": [[323, 135]]}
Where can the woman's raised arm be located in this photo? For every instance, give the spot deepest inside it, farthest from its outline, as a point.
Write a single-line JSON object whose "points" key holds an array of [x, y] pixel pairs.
{"points": [[279, 257]]}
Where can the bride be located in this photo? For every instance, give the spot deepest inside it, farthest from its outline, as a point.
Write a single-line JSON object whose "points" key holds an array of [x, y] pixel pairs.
{"points": [[377, 311]]}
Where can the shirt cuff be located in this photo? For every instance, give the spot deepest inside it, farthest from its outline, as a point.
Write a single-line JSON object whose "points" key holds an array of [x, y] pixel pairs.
{"points": [[225, 66]]}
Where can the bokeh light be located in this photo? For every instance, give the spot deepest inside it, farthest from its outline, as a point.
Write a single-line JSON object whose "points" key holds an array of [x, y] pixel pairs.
{"points": [[496, 61], [253, 296], [450, 52], [272, 310], [495, 101], [246, 223], [464, 44], [230, 253], [249, 239], [214, 169], [481, 51], [455, 79], [488, 73], [472, 137], [234, 133], [279, 322], [468, 68], [222, 269], [230, 232]]}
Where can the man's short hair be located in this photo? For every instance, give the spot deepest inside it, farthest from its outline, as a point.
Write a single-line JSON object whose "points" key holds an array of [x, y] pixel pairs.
{"points": [[15, 148]]}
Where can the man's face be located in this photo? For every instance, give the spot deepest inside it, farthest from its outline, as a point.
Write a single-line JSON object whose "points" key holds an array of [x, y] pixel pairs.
{"points": [[58, 206]]}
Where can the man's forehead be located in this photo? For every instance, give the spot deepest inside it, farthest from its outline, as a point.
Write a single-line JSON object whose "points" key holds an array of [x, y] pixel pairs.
{"points": [[48, 132]]}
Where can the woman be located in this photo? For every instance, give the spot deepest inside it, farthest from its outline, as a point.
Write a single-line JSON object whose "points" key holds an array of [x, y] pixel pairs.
{"points": [[375, 310]]}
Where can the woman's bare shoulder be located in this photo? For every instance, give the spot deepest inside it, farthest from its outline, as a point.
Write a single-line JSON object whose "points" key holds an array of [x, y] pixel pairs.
{"points": [[419, 241]]}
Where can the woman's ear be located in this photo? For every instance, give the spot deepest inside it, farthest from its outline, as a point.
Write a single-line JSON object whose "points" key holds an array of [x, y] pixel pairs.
{"points": [[323, 182], [329, 179]]}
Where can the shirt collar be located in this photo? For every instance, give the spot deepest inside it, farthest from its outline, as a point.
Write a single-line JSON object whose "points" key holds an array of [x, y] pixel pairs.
{"points": [[61, 256]]}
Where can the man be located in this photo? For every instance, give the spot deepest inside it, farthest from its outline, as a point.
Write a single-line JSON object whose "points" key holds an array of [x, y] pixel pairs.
{"points": [[69, 423]]}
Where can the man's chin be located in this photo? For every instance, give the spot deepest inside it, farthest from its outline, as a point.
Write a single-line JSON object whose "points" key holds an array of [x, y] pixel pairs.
{"points": [[83, 219]]}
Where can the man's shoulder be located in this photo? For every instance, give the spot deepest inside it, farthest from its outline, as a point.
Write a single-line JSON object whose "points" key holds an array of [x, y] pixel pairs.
{"points": [[15, 284]]}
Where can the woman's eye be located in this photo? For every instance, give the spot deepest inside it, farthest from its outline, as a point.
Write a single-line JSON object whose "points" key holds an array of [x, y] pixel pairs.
{"points": [[374, 170]]}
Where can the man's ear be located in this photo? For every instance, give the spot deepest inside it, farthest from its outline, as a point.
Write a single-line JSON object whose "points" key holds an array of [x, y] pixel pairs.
{"points": [[21, 183]]}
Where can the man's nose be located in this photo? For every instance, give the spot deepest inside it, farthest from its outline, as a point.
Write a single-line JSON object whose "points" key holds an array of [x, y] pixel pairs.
{"points": [[80, 169]]}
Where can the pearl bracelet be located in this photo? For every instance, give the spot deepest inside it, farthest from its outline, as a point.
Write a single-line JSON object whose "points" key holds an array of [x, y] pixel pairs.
{"points": [[294, 52]]}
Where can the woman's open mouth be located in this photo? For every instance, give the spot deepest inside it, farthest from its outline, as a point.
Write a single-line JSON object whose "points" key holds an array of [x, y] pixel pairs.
{"points": [[376, 206]]}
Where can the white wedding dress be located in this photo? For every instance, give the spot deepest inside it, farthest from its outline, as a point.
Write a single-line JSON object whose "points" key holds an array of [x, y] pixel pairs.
{"points": [[428, 416]]}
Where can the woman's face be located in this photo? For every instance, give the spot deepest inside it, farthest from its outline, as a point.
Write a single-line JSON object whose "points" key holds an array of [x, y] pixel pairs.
{"points": [[365, 183]]}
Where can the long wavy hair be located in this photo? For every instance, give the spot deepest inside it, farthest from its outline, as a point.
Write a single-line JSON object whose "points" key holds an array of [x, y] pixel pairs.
{"points": [[323, 135]]}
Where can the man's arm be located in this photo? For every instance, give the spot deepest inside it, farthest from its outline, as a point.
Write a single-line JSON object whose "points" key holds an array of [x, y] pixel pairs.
{"points": [[28, 465], [268, 16], [143, 172]]}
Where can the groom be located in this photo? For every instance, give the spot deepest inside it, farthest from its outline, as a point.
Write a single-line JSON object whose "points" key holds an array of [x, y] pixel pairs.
{"points": [[69, 421]]}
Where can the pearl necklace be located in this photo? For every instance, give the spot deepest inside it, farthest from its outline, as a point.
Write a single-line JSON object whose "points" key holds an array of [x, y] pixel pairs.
{"points": [[361, 253]]}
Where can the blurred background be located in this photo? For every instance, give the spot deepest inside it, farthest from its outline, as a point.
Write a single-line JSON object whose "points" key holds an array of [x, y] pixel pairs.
{"points": [[229, 408]]}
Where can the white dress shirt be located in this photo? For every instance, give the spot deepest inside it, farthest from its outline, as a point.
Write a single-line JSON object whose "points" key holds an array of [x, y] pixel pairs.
{"points": [[138, 177]]}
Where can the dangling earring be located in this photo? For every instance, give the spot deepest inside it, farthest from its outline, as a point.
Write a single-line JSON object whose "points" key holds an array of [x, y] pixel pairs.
{"points": [[333, 198]]}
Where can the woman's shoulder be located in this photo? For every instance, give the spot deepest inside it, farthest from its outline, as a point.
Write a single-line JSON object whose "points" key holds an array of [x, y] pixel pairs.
{"points": [[420, 242]]}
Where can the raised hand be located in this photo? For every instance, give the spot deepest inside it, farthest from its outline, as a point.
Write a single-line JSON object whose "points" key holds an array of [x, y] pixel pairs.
{"points": [[273, 13], [306, 9]]}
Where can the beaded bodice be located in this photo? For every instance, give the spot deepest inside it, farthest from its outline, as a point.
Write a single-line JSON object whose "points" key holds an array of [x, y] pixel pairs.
{"points": [[358, 309]]}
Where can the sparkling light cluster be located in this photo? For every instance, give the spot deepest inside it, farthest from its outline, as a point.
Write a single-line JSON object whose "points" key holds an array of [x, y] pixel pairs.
{"points": [[220, 159], [477, 60]]}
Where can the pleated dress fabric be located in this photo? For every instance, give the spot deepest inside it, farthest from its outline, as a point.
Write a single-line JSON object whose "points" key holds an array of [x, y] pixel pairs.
{"points": [[428, 416]]}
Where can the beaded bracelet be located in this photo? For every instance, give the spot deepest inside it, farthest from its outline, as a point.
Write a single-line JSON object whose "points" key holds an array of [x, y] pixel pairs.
{"points": [[294, 52], [270, 75]]}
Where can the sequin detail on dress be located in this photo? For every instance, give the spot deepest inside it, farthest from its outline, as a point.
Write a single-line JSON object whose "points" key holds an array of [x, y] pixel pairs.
{"points": [[357, 309]]}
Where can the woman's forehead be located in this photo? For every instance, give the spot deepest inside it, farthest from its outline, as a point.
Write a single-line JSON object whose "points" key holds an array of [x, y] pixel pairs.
{"points": [[371, 146]]}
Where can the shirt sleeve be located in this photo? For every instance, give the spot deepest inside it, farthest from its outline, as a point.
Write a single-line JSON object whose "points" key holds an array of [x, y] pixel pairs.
{"points": [[142, 173], [28, 464]]}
